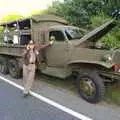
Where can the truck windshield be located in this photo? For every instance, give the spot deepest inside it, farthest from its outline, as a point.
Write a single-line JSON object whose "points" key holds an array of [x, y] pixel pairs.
{"points": [[74, 33]]}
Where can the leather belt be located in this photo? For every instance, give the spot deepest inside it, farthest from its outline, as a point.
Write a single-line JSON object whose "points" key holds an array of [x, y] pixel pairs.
{"points": [[32, 63]]}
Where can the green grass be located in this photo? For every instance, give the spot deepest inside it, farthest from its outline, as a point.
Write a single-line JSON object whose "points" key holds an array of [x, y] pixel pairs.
{"points": [[113, 94]]}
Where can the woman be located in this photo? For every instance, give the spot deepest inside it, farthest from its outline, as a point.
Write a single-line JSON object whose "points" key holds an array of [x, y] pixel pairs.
{"points": [[30, 56]]}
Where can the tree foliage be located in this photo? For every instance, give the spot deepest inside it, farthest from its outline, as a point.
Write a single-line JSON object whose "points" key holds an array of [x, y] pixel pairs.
{"points": [[79, 12], [11, 17], [72, 11]]}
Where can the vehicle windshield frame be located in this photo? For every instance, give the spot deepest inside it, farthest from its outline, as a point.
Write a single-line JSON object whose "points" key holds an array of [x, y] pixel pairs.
{"points": [[77, 33]]}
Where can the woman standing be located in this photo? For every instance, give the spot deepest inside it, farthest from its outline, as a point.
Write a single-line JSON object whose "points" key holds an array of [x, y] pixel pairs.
{"points": [[30, 57]]}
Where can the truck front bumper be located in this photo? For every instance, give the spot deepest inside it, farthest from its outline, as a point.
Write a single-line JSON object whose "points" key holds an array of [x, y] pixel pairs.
{"points": [[112, 75]]}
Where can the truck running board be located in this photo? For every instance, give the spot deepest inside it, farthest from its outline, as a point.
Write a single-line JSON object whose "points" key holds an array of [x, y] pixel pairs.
{"points": [[57, 72]]}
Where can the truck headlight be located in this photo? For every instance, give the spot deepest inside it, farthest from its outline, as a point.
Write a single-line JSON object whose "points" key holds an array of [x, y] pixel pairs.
{"points": [[107, 58]]}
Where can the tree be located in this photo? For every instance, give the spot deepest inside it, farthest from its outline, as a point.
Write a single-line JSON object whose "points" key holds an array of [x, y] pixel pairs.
{"points": [[11, 17], [71, 10]]}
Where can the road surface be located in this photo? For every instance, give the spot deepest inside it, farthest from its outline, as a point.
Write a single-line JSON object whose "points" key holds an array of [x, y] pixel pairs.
{"points": [[40, 109], [13, 106]]}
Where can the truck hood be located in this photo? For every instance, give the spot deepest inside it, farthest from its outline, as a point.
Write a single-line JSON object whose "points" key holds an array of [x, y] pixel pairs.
{"points": [[97, 33]]}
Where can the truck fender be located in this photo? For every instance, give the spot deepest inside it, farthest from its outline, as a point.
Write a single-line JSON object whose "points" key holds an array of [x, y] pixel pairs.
{"points": [[93, 63]]}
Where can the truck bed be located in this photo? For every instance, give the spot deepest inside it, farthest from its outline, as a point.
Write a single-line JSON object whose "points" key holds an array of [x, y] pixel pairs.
{"points": [[12, 49]]}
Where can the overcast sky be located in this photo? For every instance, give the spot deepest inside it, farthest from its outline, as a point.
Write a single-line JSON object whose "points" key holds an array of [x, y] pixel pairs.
{"points": [[23, 7]]}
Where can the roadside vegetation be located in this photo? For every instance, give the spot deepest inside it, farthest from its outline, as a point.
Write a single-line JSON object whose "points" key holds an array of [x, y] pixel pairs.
{"points": [[113, 94]]}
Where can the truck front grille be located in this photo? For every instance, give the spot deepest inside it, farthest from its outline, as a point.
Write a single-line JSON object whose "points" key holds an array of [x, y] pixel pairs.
{"points": [[116, 57]]}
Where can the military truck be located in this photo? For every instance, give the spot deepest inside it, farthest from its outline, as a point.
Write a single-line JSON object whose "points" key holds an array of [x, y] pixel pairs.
{"points": [[74, 52]]}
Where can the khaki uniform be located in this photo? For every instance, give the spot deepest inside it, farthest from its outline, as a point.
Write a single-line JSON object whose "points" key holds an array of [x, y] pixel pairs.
{"points": [[30, 57], [29, 71], [28, 76]]}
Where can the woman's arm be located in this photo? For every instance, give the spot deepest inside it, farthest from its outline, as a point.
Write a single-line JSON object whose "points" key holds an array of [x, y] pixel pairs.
{"points": [[39, 46]]}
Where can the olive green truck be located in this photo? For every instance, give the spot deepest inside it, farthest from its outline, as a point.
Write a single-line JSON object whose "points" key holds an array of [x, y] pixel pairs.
{"points": [[74, 52]]}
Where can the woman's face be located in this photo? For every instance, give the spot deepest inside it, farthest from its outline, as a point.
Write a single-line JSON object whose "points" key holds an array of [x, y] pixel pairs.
{"points": [[31, 46]]}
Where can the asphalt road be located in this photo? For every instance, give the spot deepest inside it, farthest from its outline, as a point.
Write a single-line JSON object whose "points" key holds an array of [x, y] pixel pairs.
{"points": [[102, 111], [13, 106]]}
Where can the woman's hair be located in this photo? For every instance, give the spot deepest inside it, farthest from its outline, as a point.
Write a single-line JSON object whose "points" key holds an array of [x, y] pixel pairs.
{"points": [[31, 42]]}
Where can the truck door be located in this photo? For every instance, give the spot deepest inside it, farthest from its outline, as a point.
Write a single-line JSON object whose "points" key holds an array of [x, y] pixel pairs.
{"points": [[57, 54]]}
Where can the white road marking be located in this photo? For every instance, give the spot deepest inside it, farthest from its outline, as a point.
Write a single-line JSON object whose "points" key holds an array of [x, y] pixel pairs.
{"points": [[48, 101]]}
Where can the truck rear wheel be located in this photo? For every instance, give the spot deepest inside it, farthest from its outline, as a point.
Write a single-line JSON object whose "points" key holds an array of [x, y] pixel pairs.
{"points": [[3, 65], [14, 69], [91, 87]]}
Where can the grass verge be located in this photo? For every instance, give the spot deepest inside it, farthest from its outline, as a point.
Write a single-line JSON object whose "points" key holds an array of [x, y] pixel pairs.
{"points": [[113, 94]]}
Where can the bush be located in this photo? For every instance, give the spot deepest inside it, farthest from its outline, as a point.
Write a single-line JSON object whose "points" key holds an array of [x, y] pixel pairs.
{"points": [[112, 39], [98, 20], [72, 11]]}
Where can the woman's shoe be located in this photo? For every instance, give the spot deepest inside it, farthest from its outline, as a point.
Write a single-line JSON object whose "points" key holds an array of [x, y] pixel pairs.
{"points": [[25, 94]]}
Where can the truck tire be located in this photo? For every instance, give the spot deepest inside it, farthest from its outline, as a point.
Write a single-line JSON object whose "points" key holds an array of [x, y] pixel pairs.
{"points": [[91, 87], [14, 69], [3, 65]]}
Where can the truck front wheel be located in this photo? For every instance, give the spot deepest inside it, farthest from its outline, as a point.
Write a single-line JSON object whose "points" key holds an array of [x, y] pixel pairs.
{"points": [[14, 69], [91, 87], [3, 65]]}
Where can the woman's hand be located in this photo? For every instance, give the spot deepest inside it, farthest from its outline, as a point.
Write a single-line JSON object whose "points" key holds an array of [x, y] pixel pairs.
{"points": [[27, 47]]}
